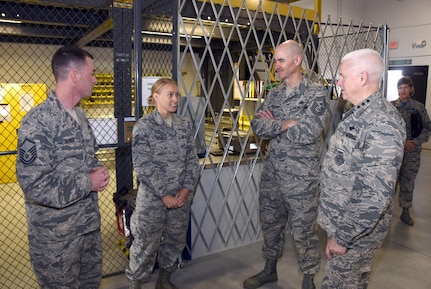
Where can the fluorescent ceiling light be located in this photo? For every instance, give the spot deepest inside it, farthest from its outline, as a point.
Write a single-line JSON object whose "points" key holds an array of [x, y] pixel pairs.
{"points": [[168, 34], [10, 21]]}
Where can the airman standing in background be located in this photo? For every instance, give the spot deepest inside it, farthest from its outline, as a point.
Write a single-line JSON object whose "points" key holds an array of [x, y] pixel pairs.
{"points": [[418, 127]]}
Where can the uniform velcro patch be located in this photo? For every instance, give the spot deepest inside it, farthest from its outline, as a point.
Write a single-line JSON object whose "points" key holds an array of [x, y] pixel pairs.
{"points": [[317, 107], [27, 152]]}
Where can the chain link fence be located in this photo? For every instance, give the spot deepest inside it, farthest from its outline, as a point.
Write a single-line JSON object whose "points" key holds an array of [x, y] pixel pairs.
{"points": [[30, 34], [221, 56]]}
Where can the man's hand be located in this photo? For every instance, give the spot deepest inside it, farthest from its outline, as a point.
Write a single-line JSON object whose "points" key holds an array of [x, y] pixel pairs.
{"points": [[99, 179], [267, 114], [332, 248], [288, 124]]}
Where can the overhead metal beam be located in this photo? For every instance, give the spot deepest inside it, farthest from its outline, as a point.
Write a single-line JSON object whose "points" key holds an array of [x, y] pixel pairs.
{"points": [[98, 31], [72, 3], [36, 32], [269, 6]]}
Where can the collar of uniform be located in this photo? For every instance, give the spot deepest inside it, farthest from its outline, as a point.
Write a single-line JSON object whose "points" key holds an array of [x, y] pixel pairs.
{"points": [[282, 86], [160, 121], [398, 103], [56, 106], [54, 100], [366, 102]]}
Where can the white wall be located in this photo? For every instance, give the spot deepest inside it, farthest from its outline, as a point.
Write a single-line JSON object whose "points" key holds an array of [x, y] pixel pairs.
{"points": [[397, 13], [348, 10], [408, 20]]}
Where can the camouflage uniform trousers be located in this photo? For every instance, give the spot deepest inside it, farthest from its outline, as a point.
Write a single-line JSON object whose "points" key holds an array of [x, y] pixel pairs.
{"points": [[69, 264], [349, 271], [284, 200], [158, 232], [408, 172]]}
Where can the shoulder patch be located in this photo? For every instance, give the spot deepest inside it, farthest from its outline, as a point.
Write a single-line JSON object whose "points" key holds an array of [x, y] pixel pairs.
{"points": [[318, 107], [27, 152], [339, 158]]}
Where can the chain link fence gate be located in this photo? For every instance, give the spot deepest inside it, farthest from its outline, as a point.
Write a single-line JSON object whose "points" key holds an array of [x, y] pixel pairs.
{"points": [[223, 71]]}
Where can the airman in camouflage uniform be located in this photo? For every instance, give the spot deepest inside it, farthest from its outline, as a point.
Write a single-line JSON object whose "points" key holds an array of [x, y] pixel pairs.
{"points": [[167, 166], [292, 118], [60, 175], [418, 127], [359, 173]]}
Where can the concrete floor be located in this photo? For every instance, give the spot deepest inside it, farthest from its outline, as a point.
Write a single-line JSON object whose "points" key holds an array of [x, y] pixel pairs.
{"points": [[403, 262]]}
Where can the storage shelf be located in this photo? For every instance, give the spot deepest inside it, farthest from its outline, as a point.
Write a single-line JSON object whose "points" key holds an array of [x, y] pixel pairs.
{"points": [[103, 91]]}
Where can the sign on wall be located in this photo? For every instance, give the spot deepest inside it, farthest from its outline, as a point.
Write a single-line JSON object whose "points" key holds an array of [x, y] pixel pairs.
{"points": [[147, 83]]}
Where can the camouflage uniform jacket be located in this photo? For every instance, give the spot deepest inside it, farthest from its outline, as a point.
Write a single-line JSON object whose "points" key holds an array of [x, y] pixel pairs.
{"points": [[307, 104], [164, 158], [359, 174], [414, 106], [55, 157]]}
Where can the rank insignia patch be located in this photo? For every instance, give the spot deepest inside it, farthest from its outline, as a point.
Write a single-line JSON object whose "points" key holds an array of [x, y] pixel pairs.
{"points": [[339, 158], [27, 152]]}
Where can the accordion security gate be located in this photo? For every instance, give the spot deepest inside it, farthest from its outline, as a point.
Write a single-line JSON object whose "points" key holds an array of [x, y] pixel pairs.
{"points": [[230, 49], [222, 60]]}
